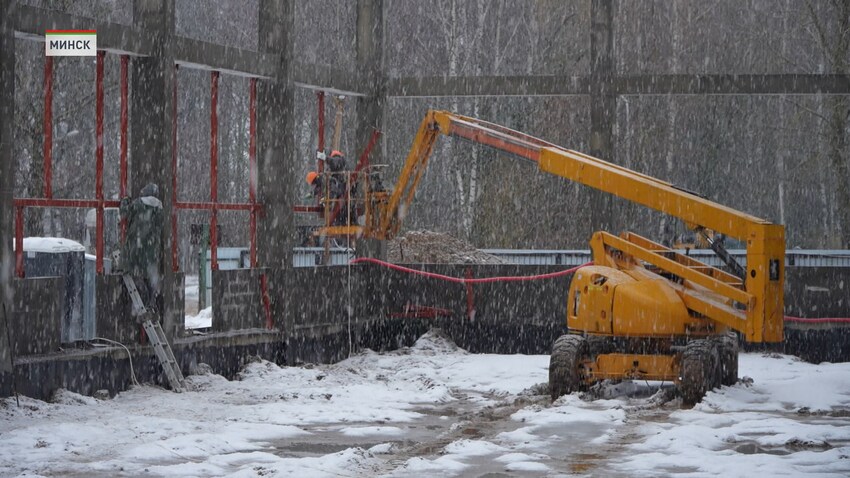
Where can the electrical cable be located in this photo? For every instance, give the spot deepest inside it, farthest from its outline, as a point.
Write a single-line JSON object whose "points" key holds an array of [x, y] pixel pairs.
{"points": [[348, 309], [129, 357]]}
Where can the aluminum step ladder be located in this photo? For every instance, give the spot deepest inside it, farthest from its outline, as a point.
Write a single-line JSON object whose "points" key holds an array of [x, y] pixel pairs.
{"points": [[156, 337], [166, 357]]}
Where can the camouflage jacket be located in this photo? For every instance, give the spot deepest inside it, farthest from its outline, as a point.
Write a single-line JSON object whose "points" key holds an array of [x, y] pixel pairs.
{"points": [[143, 246]]}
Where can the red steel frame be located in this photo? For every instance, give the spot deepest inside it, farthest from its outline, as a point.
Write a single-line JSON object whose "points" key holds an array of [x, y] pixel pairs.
{"points": [[213, 205], [100, 203]]}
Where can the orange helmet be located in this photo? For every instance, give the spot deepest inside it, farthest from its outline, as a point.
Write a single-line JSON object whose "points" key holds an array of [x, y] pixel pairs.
{"points": [[311, 176], [336, 153]]}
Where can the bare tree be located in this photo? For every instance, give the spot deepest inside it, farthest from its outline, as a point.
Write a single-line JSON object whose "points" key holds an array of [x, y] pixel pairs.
{"points": [[834, 41]]}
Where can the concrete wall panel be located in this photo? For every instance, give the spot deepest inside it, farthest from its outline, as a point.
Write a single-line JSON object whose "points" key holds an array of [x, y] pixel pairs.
{"points": [[36, 319]]}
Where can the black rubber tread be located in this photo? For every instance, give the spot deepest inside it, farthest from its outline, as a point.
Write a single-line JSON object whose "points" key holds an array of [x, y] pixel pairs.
{"points": [[698, 370], [564, 365], [727, 350]]}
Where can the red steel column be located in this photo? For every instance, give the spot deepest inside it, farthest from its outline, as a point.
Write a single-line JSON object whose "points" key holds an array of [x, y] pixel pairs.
{"points": [[122, 183], [19, 242], [214, 172], [264, 293], [470, 297], [48, 127], [175, 264], [99, 160], [252, 166]]}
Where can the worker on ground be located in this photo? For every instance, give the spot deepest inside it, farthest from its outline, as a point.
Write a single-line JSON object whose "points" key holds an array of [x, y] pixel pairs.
{"points": [[141, 254]]}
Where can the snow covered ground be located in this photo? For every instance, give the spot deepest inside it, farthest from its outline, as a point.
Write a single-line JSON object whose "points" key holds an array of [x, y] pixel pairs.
{"points": [[201, 320], [436, 410], [195, 319]]}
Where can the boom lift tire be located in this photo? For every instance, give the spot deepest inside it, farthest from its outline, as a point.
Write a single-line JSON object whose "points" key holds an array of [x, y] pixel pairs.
{"points": [[727, 350], [565, 365], [698, 370]]}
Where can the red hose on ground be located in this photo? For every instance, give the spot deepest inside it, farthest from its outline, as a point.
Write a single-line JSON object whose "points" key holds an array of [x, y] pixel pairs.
{"points": [[461, 280]]}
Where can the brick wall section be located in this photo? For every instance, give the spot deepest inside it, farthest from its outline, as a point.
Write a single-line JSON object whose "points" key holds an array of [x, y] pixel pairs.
{"points": [[236, 300], [36, 320], [114, 310], [507, 317], [523, 317]]}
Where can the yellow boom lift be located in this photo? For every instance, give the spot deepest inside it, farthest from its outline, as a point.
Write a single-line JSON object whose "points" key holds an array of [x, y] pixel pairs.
{"points": [[642, 310]]}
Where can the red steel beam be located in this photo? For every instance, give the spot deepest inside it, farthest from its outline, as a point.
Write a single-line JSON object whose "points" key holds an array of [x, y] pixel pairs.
{"points": [[122, 183], [175, 264], [101, 56], [470, 296], [214, 170], [364, 157], [79, 203], [252, 166], [219, 206], [48, 126], [19, 242], [307, 208]]}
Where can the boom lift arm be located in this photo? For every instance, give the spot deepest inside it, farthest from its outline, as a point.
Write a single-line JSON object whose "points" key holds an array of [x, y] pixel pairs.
{"points": [[753, 306]]}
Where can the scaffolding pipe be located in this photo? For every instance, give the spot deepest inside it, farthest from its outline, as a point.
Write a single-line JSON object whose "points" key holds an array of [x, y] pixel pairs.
{"points": [[320, 164], [101, 55], [48, 127], [252, 166], [214, 171]]}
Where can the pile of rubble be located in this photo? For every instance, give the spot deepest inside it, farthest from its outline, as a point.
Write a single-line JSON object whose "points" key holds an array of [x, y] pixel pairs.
{"points": [[426, 247]]}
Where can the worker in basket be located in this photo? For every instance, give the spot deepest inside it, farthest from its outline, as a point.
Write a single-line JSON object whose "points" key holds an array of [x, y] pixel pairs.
{"points": [[336, 187]]}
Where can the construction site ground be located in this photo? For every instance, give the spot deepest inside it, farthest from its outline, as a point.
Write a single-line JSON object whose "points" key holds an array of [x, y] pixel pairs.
{"points": [[435, 410]]}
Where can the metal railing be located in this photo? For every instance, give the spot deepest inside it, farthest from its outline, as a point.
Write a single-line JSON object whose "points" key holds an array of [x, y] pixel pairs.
{"points": [[793, 257]]}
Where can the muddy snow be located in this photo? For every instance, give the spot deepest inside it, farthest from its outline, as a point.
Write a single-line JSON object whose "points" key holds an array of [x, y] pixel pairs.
{"points": [[435, 410]]}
